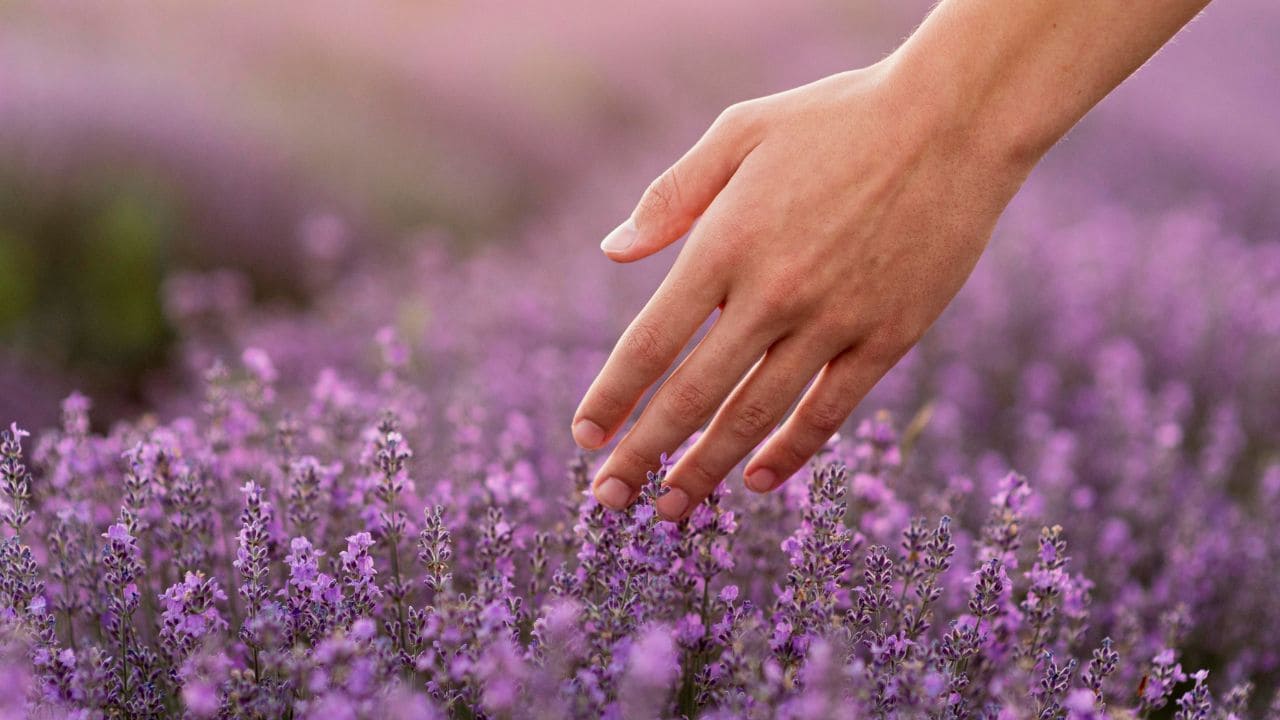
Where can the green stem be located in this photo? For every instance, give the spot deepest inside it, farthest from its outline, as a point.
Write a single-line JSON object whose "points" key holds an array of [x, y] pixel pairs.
{"points": [[124, 651], [233, 582], [395, 571], [71, 630], [687, 697]]}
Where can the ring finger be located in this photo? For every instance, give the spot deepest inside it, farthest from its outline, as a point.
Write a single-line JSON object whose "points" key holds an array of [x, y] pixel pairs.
{"points": [[755, 408]]}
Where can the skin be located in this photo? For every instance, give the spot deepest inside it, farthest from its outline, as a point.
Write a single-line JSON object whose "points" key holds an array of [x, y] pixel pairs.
{"points": [[834, 223]]}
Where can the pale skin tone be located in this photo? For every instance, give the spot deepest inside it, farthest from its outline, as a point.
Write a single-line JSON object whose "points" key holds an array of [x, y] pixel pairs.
{"points": [[834, 223]]}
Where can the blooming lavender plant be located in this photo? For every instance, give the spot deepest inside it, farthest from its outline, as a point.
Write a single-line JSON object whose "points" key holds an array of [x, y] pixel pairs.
{"points": [[556, 610], [905, 575], [1117, 345]]}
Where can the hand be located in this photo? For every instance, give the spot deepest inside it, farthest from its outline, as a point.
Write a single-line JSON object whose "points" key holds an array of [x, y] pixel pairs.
{"points": [[837, 221]]}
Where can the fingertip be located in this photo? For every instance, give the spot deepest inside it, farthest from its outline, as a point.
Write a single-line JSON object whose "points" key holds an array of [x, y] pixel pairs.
{"points": [[761, 480], [673, 504], [588, 434], [613, 493], [627, 244], [631, 254], [623, 258], [620, 240]]}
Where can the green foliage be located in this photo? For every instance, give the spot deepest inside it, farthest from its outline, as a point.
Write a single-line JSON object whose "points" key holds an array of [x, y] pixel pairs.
{"points": [[80, 276]]}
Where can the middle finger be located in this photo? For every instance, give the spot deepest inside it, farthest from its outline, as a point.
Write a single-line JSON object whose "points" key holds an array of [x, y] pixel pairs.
{"points": [[686, 400], [755, 408]]}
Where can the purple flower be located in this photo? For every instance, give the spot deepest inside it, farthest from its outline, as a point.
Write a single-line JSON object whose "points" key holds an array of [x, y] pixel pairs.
{"points": [[645, 688], [189, 614], [15, 481], [252, 547], [361, 590]]}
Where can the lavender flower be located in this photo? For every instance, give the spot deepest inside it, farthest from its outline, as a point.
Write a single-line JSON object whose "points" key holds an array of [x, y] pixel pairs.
{"points": [[312, 597], [630, 627], [189, 615], [435, 549], [14, 477], [531, 599], [251, 552], [651, 671], [1104, 662], [122, 568], [392, 454], [1196, 704], [1157, 686], [361, 591], [307, 479]]}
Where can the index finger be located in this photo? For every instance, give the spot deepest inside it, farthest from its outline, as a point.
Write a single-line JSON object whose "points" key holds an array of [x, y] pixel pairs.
{"points": [[646, 351]]}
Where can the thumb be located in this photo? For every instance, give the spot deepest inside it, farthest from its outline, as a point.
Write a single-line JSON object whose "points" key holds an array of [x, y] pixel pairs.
{"points": [[670, 205]]}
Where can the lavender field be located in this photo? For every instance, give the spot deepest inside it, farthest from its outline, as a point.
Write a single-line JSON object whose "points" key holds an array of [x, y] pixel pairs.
{"points": [[297, 303]]}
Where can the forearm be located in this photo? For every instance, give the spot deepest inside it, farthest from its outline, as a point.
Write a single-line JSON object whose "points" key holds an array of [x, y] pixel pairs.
{"points": [[1015, 75]]}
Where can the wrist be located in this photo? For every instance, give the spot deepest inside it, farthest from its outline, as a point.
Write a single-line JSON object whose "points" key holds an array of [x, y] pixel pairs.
{"points": [[965, 107], [1011, 77]]}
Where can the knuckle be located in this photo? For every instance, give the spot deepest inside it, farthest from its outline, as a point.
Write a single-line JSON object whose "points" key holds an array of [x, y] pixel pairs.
{"points": [[776, 299], [687, 402], [733, 117], [823, 418], [662, 197], [604, 402], [750, 422], [645, 343], [891, 343], [697, 476], [791, 457], [739, 117], [777, 303], [880, 350], [834, 324], [633, 460]]}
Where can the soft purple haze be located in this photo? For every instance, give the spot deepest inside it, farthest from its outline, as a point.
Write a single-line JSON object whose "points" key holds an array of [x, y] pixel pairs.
{"points": [[1063, 503]]}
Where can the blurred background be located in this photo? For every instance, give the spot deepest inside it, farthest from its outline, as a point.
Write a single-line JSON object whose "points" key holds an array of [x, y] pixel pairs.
{"points": [[162, 162], [410, 195]]}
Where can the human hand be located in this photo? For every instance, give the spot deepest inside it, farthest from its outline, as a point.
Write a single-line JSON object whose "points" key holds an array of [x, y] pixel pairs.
{"points": [[837, 220]]}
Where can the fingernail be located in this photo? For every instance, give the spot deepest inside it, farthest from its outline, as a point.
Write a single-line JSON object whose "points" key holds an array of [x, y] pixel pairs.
{"points": [[622, 237], [613, 493], [762, 480], [672, 505], [587, 434]]}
